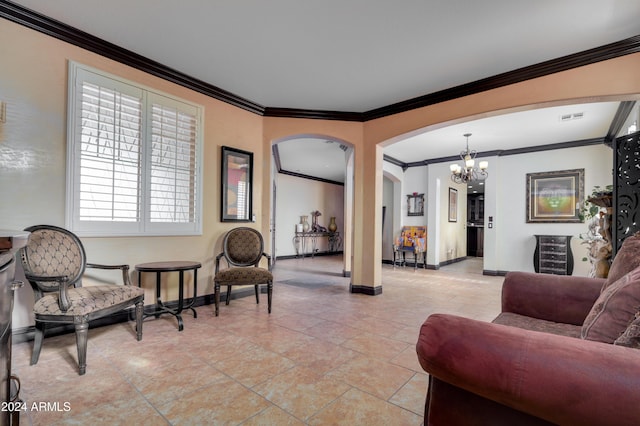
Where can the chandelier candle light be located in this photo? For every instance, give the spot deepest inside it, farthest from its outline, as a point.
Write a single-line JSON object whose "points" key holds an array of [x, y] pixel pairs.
{"points": [[469, 172]]}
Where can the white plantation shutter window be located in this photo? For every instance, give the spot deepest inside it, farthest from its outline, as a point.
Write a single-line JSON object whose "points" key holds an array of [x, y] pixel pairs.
{"points": [[133, 159], [109, 155], [173, 162]]}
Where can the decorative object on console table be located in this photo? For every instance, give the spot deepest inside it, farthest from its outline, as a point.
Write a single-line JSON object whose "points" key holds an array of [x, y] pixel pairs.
{"points": [[415, 204], [555, 196], [305, 224], [333, 227], [315, 227], [553, 255], [236, 193]]}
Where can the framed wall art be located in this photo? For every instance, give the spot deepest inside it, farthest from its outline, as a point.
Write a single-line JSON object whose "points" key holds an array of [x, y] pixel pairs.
{"points": [[555, 196], [453, 205], [237, 185]]}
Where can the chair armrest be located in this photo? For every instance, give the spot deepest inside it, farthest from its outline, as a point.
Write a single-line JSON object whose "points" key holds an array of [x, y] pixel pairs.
{"points": [[218, 257], [63, 299], [558, 298], [125, 270], [268, 260], [561, 379]]}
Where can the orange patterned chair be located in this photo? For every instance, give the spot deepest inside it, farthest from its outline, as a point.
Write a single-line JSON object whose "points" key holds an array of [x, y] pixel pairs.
{"points": [[412, 239]]}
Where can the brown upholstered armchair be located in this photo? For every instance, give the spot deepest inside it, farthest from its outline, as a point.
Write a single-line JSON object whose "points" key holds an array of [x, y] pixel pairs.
{"points": [[243, 248], [54, 262], [564, 350]]}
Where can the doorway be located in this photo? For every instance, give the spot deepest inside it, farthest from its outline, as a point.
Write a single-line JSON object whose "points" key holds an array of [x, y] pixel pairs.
{"points": [[475, 224]]}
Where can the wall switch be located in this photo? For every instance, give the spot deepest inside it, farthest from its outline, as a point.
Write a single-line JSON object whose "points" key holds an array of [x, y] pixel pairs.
{"points": [[490, 225]]}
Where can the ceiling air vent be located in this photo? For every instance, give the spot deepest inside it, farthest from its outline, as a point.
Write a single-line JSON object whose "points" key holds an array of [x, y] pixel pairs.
{"points": [[569, 117]]}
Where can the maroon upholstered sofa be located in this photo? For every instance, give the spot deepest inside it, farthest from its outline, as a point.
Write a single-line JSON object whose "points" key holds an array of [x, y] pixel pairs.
{"points": [[564, 350]]}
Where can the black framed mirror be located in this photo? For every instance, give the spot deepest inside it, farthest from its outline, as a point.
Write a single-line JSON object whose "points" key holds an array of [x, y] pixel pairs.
{"points": [[415, 204], [237, 185]]}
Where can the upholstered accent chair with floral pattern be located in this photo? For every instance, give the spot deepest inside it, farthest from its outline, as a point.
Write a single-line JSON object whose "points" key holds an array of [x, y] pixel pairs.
{"points": [[54, 262], [243, 249]]}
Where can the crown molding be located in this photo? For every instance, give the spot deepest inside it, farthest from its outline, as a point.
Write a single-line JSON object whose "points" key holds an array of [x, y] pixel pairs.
{"points": [[498, 152], [313, 114], [624, 109], [51, 27], [598, 54]]}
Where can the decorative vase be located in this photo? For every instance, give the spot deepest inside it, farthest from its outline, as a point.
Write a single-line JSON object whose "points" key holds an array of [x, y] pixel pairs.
{"points": [[332, 224], [305, 224]]}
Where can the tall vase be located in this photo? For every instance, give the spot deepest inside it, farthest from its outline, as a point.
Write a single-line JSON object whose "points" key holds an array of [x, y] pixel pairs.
{"points": [[305, 224], [332, 224]]}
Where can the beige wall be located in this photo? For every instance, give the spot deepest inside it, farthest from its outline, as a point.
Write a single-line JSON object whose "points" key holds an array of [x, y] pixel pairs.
{"points": [[33, 80]]}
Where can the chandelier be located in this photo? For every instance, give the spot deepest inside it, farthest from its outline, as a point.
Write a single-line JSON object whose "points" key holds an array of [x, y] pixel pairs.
{"points": [[468, 172]]}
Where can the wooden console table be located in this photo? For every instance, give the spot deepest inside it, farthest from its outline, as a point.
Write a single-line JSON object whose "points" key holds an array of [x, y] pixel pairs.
{"points": [[302, 239], [171, 266]]}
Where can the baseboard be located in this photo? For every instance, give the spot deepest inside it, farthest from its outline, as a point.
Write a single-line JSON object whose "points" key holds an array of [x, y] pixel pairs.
{"points": [[451, 261], [320, 253], [363, 289], [428, 266], [494, 273]]}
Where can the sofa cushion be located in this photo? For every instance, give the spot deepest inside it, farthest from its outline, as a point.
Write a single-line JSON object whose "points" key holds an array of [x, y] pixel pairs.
{"points": [[627, 259], [614, 310], [631, 336], [535, 324]]}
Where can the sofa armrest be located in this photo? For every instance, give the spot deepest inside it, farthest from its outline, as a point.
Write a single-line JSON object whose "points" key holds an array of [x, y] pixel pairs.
{"points": [[561, 379], [558, 298]]}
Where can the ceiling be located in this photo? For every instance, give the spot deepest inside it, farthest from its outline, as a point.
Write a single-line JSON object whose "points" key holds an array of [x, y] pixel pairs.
{"points": [[360, 55]]}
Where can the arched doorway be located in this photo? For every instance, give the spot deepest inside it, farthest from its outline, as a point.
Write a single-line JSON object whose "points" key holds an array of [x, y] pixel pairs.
{"points": [[311, 173]]}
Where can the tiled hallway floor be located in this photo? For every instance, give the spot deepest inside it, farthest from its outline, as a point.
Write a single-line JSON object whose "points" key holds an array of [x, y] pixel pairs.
{"points": [[323, 356]]}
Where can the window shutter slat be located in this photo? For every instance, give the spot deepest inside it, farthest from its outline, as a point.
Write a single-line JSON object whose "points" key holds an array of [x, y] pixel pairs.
{"points": [[173, 165], [111, 123]]}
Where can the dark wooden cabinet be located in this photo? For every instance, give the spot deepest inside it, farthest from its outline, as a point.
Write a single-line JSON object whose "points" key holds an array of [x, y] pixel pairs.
{"points": [[553, 255]]}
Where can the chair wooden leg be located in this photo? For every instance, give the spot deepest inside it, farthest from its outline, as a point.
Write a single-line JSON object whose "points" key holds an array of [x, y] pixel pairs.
{"points": [[257, 294], [216, 295], [269, 295], [226, 302], [82, 334], [139, 317], [37, 342]]}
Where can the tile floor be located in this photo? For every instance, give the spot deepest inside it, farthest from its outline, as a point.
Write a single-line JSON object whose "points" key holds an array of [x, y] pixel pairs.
{"points": [[323, 356]]}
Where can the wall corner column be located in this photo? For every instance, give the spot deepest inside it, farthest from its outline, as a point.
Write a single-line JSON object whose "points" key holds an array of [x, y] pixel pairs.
{"points": [[367, 248]]}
